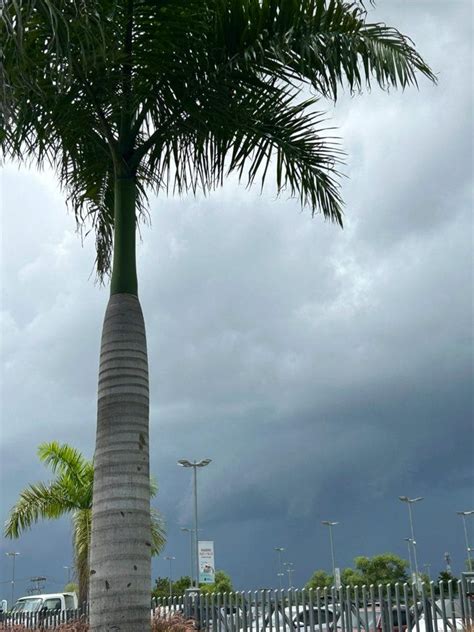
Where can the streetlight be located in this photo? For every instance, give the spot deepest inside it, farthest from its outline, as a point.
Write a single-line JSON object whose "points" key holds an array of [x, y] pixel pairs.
{"points": [[330, 524], [190, 531], [279, 550], [409, 556], [428, 566], [410, 502], [13, 555], [463, 515], [68, 569], [195, 465], [170, 558], [289, 570]]}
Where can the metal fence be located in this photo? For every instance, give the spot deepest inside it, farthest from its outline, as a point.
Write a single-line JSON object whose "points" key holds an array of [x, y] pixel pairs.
{"points": [[443, 607], [44, 620], [438, 607]]}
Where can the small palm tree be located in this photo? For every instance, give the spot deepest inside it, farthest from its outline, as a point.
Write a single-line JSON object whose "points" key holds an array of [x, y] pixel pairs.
{"points": [[70, 493], [125, 97]]}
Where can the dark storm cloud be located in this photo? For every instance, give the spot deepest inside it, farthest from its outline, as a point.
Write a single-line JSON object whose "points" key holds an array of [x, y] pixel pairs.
{"points": [[325, 372]]}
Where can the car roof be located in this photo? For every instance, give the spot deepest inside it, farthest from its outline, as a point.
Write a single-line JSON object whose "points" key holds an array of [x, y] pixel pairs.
{"points": [[46, 596]]}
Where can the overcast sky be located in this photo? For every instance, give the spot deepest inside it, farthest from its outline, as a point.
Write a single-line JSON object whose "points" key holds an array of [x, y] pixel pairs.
{"points": [[324, 372]]}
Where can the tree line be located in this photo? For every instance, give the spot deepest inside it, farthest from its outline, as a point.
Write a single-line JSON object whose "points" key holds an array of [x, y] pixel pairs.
{"points": [[386, 568]]}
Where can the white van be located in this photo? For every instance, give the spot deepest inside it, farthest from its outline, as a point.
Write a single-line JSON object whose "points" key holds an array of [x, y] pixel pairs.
{"points": [[52, 603]]}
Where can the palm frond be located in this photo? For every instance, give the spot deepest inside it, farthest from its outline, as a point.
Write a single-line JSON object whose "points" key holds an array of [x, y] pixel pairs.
{"points": [[325, 42], [158, 91], [251, 130], [37, 502], [63, 458], [158, 532]]}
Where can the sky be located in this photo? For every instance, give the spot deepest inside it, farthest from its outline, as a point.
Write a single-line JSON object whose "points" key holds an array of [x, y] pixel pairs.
{"points": [[325, 372]]}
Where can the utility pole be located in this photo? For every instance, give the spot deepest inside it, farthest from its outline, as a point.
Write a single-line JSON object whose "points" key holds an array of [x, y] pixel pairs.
{"points": [[280, 550], [195, 465], [13, 555], [463, 515], [170, 558], [410, 502]]}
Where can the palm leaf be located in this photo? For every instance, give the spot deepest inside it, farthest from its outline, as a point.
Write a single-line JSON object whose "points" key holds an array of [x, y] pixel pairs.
{"points": [[179, 92], [158, 532], [37, 502]]}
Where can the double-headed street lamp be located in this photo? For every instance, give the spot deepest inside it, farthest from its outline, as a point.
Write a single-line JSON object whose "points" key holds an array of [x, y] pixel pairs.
{"points": [[13, 555], [463, 515], [279, 550], [170, 558], [330, 524], [195, 465], [410, 502]]}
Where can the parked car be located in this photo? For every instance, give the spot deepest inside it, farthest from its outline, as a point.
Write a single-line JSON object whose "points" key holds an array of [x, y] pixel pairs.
{"points": [[448, 617], [371, 619], [297, 618]]}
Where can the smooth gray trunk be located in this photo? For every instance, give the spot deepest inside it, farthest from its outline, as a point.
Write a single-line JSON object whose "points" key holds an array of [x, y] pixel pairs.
{"points": [[120, 555]]}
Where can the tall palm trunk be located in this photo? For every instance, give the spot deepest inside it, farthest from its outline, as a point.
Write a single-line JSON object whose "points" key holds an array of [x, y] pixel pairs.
{"points": [[120, 553]]}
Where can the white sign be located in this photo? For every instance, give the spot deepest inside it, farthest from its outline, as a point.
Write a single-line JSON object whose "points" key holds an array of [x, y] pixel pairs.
{"points": [[337, 578], [206, 562]]}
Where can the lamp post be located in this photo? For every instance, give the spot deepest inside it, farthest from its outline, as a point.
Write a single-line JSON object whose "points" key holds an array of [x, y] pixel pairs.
{"points": [[463, 515], [408, 540], [289, 570], [330, 524], [190, 531], [428, 567], [170, 558], [410, 502], [279, 550], [195, 465], [68, 569], [13, 555]]}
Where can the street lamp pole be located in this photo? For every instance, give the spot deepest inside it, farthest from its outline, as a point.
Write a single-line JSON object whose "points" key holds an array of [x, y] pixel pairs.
{"points": [[13, 555], [279, 550], [409, 556], [410, 502], [330, 524], [289, 570], [190, 531], [195, 465], [170, 558], [68, 569], [463, 515]]}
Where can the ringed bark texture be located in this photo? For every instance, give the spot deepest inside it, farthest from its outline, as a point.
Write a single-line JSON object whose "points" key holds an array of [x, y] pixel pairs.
{"points": [[120, 556]]}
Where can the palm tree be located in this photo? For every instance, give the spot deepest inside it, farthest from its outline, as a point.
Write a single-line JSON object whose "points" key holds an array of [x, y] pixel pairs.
{"points": [[124, 97], [70, 493]]}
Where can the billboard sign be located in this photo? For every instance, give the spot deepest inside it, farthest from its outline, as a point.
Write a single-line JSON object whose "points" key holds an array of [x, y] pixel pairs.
{"points": [[206, 562]]}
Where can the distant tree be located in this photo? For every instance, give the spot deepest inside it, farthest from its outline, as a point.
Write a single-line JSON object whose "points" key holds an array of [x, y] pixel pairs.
{"points": [[222, 583], [386, 568], [69, 493], [444, 577], [180, 585], [161, 588], [71, 587], [320, 579], [350, 577]]}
